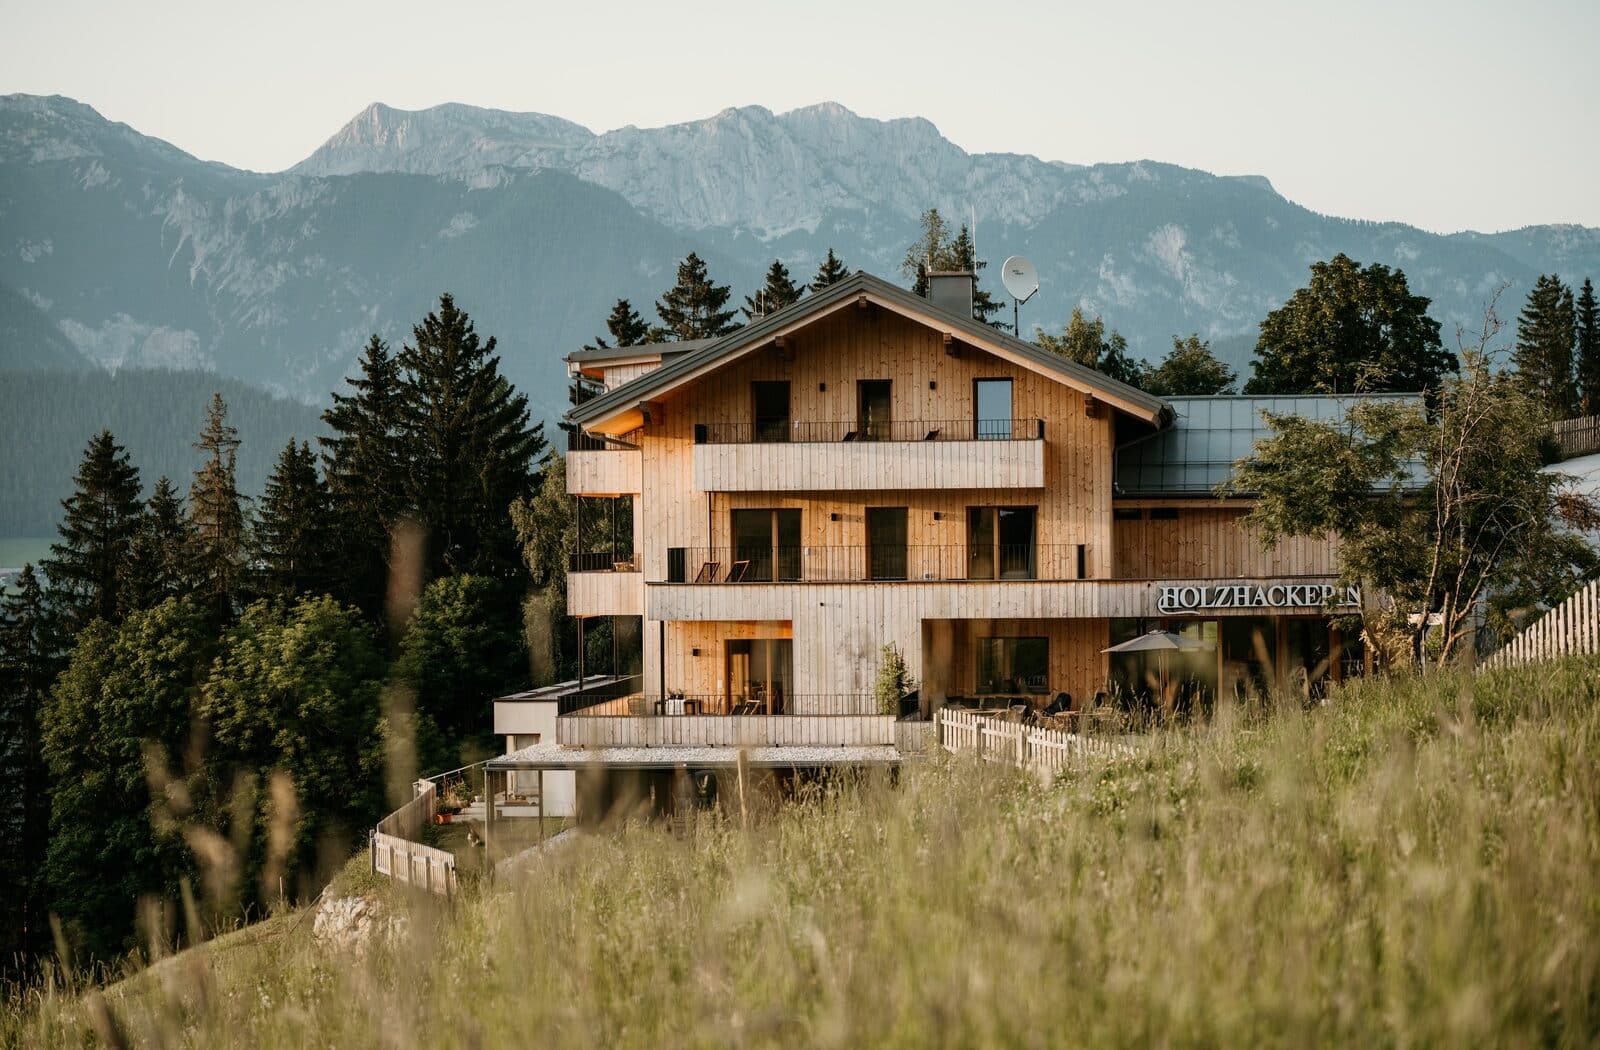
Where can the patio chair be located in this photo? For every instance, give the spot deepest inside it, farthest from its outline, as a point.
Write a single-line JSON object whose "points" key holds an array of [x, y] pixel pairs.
{"points": [[849, 435], [708, 572], [932, 435], [736, 571], [1060, 705]]}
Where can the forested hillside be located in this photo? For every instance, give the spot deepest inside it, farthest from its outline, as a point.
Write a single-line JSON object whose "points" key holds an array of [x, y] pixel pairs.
{"points": [[48, 418]]}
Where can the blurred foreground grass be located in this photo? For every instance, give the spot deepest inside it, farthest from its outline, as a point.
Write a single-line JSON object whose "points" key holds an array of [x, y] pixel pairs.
{"points": [[1417, 862]]}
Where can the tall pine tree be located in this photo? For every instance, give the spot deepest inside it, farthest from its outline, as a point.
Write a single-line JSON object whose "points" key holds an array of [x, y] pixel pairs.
{"points": [[293, 541], [693, 307], [216, 513], [365, 469], [157, 567], [778, 291], [624, 327], [1588, 364], [936, 251], [1546, 332], [28, 664], [102, 515], [466, 437], [832, 271]]}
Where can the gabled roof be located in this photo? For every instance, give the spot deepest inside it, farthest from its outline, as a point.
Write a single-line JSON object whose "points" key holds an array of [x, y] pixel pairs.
{"points": [[687, 367], [1210, 434]]}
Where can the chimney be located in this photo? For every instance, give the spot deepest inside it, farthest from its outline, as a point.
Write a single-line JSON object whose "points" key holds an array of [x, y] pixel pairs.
{"points": [[952, 291]]}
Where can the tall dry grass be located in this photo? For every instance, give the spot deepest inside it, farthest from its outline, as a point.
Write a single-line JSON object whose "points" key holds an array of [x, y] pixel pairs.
{"points": [[1417, 862]]}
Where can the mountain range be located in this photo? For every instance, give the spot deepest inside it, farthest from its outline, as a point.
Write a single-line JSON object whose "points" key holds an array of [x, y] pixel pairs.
{"points": [[120, 250]]}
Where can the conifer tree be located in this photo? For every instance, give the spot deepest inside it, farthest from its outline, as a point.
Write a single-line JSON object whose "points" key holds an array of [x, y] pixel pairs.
{"points": [[365, 470], [693, 308], [1588, 364], [102, 515], [467, 442], [28, 664], [624, 326], [216, 514], [1546, 331], [778, 291], [832, 271], [936, 251], [157, 567], [293, 541]]}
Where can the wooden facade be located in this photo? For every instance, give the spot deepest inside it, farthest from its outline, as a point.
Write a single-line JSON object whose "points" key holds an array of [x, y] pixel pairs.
{"points": [[701, 457]]}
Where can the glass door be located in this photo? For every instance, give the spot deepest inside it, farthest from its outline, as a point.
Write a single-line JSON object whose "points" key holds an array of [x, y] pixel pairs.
{"points": [[1001, 543], [886, 543], [759, 672], [991, 403], [766, 544], [770, 402], [873, 417]]}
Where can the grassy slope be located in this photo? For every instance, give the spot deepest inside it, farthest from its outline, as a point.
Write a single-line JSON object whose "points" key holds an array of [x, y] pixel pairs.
{"points": [[1417, 862]]}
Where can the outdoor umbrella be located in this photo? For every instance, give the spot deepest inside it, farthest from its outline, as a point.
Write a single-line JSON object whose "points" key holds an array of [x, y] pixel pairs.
{"points": [[1159, 641]]}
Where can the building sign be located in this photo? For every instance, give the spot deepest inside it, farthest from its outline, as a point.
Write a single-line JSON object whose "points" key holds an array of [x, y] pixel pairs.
{"points": [[1181, 598]]}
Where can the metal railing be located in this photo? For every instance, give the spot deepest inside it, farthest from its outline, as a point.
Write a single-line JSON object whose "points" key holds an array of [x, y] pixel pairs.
{"points": [[603, 692], [851, 564], [602, 561], [784, 430], [742, 704]]}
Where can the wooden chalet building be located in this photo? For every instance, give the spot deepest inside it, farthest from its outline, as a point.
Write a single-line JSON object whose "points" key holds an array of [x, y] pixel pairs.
{"points": [[866, 468]]}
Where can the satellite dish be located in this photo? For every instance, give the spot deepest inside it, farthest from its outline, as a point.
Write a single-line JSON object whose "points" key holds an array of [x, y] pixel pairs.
{"points": [[1020, 278]]}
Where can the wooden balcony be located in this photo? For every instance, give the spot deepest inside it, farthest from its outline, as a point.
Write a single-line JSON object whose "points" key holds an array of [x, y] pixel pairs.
{"points": [[838, 457], [607, 472], [617, 590], [611, 725]]}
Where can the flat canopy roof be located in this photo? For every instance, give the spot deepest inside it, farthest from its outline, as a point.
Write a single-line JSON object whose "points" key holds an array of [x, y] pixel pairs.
{"points": [[554, 756]]}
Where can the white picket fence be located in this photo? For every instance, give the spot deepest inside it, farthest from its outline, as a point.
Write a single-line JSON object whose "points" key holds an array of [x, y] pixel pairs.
{"points": [[1570, 629], [397, 854], [1044, 751]]}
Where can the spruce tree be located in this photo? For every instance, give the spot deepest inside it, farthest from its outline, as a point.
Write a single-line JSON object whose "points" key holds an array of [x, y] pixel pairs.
{"points": [[365, 473], [624, 326], [935, 251], [102, 515], [693, 307], [28, 664], [832, 271], [157, 566], [293, 541], [466, 438], [1546, 332], [778, 291], [216, 513], [1588, 363]]}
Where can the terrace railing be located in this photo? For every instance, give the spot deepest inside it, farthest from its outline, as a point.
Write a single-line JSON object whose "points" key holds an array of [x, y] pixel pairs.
{"points": [[602, 561], [680, 705], [851, 564], [799, 431]]}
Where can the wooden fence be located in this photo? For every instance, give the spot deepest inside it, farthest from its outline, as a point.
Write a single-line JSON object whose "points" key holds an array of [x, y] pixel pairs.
{"points": [[397, 854], [1570, 629], [1044, 751], [1577, 437]]}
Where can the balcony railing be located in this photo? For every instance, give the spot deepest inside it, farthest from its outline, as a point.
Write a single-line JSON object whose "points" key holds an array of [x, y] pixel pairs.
{"points": [[744, 704], [602, 561], [850, 564], [799, 431]]}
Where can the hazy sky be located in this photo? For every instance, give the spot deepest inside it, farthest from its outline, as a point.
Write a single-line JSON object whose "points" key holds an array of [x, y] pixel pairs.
{"points": [[1449, 115]]}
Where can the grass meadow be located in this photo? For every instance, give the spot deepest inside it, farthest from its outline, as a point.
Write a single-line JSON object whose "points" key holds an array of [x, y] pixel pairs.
{"points": [[1416, 862]]}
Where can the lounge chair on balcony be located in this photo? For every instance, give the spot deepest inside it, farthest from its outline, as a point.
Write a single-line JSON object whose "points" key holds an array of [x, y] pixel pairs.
{"points": [[849, 435], [736, 572], [932, 435], [708, 572], [622, 566]]}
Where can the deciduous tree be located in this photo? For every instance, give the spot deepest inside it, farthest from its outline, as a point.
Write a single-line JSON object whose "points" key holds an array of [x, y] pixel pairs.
{"points": [[1353, 328], [1191, 369], [462, 648], [1086, 342]]}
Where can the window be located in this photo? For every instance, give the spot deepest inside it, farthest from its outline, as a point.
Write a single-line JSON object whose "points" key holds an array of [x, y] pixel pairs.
{"points": [[770, 404], [769, 540], [1000, 543], [886, 543], [873, 417], [1127, 514], [991, 401], [1013, 666], [1163, 513]]}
